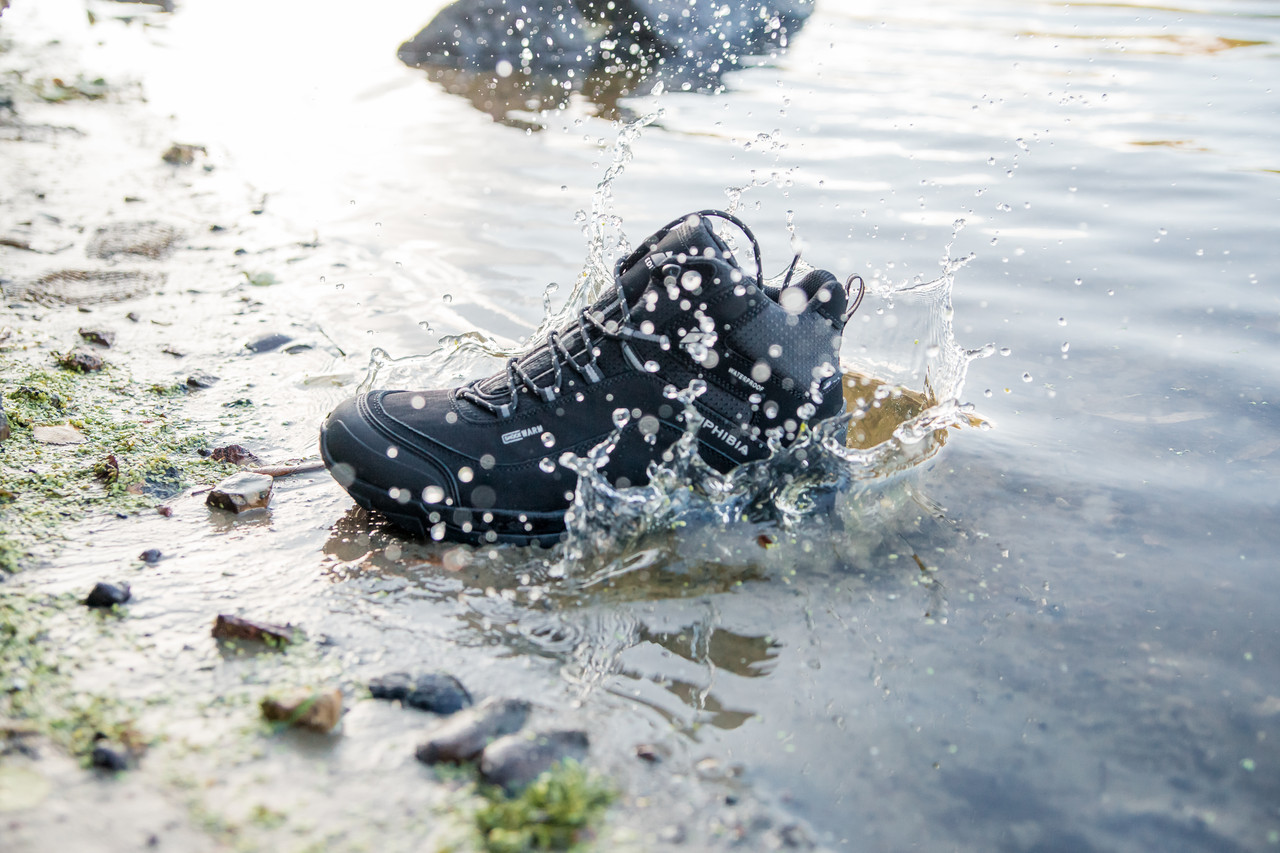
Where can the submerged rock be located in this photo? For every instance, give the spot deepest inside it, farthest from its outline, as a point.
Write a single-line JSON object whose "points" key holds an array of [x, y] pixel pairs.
{"points": [[437, 692], [108, 595], [267, 343], [318, 711], [228, 627], [465, 735], [539, 38], [200, 379], [242, 492], [514, 761]]}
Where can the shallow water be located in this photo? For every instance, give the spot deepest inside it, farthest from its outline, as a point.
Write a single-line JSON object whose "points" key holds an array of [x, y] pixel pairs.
{"points": [[1058, 633]]}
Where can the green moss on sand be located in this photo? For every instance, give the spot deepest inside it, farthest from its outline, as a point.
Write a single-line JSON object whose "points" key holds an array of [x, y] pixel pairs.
{"points": [[135, 454], [556, 812]]}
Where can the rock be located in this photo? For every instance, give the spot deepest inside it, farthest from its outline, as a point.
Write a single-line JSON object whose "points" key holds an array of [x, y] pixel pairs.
{"points": [[181, 154], [648, 752], [4, 422], [318, 711], [267, 343], [100, 337], [200, 379], [61, 434], [235, 454], [518, 759], [228, 627], [437, 692], [465, 735], [241, 492], [151, 556], [81, 361], [108, 595], [106, 756]]}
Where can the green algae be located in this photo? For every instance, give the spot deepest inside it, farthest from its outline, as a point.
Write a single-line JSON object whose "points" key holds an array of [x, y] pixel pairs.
{"points": [[556, 812], [36, 685], [137, 453]]}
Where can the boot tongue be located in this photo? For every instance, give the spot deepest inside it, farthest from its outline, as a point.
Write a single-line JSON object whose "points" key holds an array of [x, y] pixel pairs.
{"points": [[692, 236]]}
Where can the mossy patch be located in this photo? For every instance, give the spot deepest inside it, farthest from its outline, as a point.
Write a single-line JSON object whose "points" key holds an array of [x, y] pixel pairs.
{"points": [[137, 454], [557, 812], [36, 685]]}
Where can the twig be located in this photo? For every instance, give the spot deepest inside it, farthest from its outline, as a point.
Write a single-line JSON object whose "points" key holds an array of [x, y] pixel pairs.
{"points": [[289, 470]]}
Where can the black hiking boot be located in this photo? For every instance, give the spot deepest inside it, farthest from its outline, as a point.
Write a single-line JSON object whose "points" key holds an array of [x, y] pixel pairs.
{"points": [[479, 463]]}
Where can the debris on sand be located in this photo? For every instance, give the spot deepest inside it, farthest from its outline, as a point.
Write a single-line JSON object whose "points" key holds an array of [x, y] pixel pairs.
{"points": [[241, 492], [228, 627], [58, 434], [318, 711]]}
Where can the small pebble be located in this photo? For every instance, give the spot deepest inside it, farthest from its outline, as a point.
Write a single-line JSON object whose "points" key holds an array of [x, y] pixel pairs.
{"points": [[437, 692], [228, 627], [100, 337], [108, 595], [318, 711], [200, 379], [465, 734], [267, 343], [108, 757], [241, 492], [81, 361], [518, 759], [151, 555]]}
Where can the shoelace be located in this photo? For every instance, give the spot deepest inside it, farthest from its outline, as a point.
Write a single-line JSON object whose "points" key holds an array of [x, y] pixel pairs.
{"points": [[622, 331]]}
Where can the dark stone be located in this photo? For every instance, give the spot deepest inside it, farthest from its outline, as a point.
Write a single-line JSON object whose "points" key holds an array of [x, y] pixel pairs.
{"points": [[437, 692], [228, 627], [465, 734], [236, 454], [297, 348], [200, 379], [108, 757], [101, 337], [242, 492], [151, 555], [81, 361], [108, 595], [518, 759], [4, 421], [267, 343]]}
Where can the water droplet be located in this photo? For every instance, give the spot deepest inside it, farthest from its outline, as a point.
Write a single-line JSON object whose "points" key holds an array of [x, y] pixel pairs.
{"points": [[793, 300], [433, 494], [691, 280], [1066, 346], [986, 393], [775, 351], [621, 417], [417, 401], [488, 461], [1026, 377], [465, 474], [806, 411], [448, 297], [548, 440], [547, 465], [770, 410], [932, 351], [652, 366], [1062, 321], [698, 387], [393, 452], [438, 531], [1006, 351], [761, 372]]}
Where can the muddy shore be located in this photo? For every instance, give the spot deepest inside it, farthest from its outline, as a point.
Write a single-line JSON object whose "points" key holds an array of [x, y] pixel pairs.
{"points": [[150, 252]]}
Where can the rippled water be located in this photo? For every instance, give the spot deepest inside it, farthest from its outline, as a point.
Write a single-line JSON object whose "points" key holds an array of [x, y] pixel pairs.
{"points": [[1055, 633]]}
